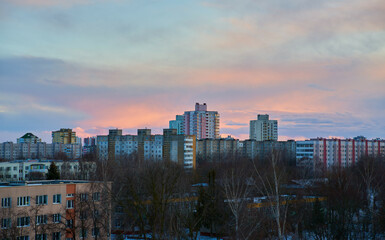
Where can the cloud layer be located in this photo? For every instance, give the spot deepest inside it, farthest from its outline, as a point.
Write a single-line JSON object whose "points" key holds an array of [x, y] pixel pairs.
{"points": [[317, 67]]}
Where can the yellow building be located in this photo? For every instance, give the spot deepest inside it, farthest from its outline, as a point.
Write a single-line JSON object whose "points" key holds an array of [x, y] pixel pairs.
{"points": [[64, 136]]}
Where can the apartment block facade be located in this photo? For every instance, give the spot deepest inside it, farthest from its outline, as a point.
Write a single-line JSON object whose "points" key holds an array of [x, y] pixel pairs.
{"points": [[28, 138], [64, 136], [168, 147], [327, 153], [57, 210], [261, 150], [22, 170], [201, 123], [218, 149], [177, 124], [41, 150], [264, 129]]}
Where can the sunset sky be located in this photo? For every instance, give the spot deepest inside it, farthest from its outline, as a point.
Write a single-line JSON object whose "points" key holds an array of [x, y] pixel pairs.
{"points": [[318, 67]]}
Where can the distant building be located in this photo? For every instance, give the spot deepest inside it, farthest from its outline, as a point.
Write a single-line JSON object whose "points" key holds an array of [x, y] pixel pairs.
{"points": [[51, 210], [89, 141], [40, 150], [64, 136], [177, 124], [179, 148], [201, 123], [23, 170], [261, 150], [168, 147], [28, 138], [264, 129], [89, 146], [327, 153], [218, 149]]}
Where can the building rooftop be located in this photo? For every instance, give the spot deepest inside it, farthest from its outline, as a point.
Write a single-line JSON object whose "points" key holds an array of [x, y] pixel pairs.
{"points": [[39, 160], [40, 182], [28, 135]]}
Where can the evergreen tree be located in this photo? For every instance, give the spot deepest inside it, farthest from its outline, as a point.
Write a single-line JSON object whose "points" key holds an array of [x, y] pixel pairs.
{"points": [[53, 173], [317, 223], [211, 208]]}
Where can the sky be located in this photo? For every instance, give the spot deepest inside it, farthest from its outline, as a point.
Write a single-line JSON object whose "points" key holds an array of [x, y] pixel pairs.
{"points": [[318, 67]]}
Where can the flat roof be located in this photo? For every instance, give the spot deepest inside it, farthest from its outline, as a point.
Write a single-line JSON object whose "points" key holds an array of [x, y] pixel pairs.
{"points": [[41, 182]]}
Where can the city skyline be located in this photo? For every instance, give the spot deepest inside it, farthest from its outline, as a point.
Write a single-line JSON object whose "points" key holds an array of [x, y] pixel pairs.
{"points": [[316, 67]]}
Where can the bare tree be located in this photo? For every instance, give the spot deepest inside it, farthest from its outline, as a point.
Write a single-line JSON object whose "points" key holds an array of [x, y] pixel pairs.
{"points": [[269, 179], [237, 189]]}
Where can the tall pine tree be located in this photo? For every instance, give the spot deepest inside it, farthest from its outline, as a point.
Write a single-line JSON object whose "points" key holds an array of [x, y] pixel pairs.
{"points": [[53, 173]]}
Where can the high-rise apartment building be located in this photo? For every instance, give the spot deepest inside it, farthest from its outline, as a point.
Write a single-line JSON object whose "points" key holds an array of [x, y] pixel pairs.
{"points": [[201, 123], [179, 148], [168, 147], [113, 134], [177, 124], [264, 129], [64, 136], [89, 146]]}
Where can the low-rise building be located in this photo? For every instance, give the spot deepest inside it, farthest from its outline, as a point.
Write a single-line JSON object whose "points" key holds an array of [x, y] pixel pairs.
{"points": [[22, 170], [55, 210]]}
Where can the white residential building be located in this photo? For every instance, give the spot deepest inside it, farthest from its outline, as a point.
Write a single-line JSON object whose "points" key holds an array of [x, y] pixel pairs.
{"points": [[177, 148], [264, 129], [326, 153], [40, 150], [22, 170]]}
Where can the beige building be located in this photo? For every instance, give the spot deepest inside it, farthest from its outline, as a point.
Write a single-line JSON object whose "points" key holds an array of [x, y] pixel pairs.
{"points": [[64, 136], [57, 210]]}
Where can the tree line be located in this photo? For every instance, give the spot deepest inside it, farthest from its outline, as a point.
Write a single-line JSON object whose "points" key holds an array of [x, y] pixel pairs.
{"points": [[161, 200], [235, 198]]}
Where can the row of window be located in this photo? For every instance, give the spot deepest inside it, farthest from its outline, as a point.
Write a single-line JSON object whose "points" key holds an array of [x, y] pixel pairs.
{"points": [[57, 235], [43, 199], [25, 221]]}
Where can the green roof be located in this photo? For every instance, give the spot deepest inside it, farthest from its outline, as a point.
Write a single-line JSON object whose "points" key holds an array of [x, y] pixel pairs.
{"points": [[28, 135]]}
